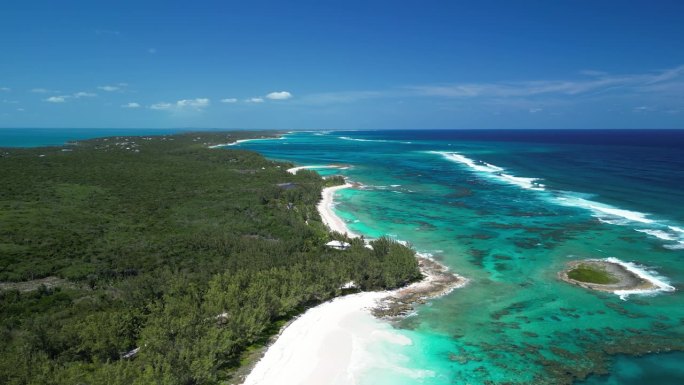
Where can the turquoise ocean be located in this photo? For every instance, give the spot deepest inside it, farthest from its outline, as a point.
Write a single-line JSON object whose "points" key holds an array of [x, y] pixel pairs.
{"points": [[507, 210]]}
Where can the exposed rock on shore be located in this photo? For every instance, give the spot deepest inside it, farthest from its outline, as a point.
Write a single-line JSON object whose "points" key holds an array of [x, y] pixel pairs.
{"points": [[437, 281]]}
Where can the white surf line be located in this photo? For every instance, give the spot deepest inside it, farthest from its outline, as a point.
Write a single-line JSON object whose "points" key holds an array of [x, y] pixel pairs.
{"points": [[492, 171], [659, 282], [373, 140], [603, 212], [235, 143], [294, 170], [658, 234], [364, 140], [680, 238], [612, 215]]}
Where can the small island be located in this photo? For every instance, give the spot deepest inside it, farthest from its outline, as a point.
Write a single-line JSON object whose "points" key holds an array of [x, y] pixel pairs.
{"points": [[603, 275]]}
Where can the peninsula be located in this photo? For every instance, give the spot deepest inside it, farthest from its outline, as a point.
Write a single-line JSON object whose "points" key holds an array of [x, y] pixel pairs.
{"points": [[164, 259]]}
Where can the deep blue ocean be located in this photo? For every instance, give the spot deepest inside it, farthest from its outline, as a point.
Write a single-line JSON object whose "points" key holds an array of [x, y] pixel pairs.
{"points": [[507, 210]]}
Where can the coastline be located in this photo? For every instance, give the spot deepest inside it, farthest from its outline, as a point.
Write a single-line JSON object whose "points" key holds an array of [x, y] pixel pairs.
{"points": [[329, 343], [325, 209], [437, 281], [238, 141], [321, 346], [294, 170]]}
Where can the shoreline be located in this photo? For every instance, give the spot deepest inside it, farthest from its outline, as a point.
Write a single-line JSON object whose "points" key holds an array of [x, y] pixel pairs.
{"points": [[437, 281], [329, 343], [294, 170], [328, 216], [238, 141]]}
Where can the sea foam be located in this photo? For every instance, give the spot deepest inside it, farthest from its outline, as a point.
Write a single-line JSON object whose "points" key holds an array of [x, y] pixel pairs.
{"points": [[363, 140], [677, 229], [493, 171], [603, 212], [658, 234], [371, 140], [660, 283]]}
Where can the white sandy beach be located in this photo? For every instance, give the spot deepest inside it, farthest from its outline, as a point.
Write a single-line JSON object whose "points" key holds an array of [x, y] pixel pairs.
{"points": [[327, 345], [325, 208], [241, 141], [331, 343], [294, 170]]}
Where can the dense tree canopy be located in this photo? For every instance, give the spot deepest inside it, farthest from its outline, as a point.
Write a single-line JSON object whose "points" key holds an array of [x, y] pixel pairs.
{"points": [[194, 255]]}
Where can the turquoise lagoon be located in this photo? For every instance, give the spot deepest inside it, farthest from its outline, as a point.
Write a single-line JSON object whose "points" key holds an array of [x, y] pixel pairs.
{"points": [[508, 210]]}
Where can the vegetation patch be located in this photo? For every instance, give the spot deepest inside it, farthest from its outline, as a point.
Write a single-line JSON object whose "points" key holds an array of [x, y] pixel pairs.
{"points": [[591, 274], [164, 244]]}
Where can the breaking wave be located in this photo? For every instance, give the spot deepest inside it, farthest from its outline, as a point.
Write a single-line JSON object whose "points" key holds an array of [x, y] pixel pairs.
{"points": [[661, 284], [605, 213], [493, 171], [371, 140]]}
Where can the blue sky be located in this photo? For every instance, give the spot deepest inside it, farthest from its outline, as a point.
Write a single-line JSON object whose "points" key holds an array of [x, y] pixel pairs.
{"points": [[342, 64]]}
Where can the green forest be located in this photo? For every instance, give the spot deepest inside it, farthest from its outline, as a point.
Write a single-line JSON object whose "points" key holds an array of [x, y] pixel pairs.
{"points": [[193, 256]]}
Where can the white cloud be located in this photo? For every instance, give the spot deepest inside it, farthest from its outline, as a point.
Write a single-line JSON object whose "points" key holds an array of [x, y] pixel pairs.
{"points": [[131, 105], [598, 83], [21, 109], [347, 97], [593, 73], [64, 98], [662, 89], [183, 105], [112, 88], [42, 91], [254, 100], [229, 100], [193, 103], [57, 99], [279, 95], [152, 51], [83, 94], [161, 106], [5, 89]]}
